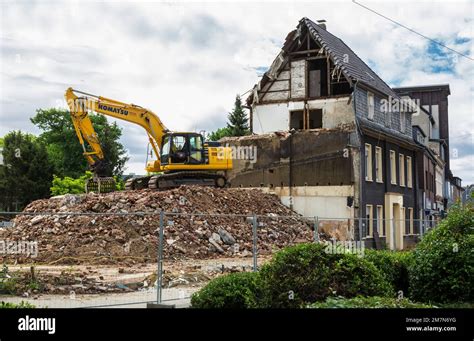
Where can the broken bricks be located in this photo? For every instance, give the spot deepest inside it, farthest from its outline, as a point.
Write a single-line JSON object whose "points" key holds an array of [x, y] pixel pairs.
{"points": [[71, 230]]}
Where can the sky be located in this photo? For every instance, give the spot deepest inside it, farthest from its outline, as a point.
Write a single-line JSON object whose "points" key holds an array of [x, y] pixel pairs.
{"points": [[186, 61]]}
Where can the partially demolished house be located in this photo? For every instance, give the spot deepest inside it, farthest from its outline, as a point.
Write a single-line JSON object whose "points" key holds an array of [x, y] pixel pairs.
{"points": [[333, 140]]}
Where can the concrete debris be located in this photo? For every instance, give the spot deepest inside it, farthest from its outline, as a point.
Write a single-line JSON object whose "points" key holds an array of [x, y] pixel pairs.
{"points": [[226, 237], [201, 228]]}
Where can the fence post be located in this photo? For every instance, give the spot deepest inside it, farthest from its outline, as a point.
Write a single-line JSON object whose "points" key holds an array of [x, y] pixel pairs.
{"points": [[159, 273], [316, 229], [254, 251]]}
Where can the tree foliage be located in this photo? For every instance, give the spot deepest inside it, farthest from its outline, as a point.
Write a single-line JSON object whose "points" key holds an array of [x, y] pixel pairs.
{"points": [[237, 124], [63, 147], [442, 269], [238, 121], [219, 133], [26, 173]]}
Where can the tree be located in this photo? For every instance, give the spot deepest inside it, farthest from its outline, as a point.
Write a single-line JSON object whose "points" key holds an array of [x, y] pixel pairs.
{"points": [[238, 121], [219, 133], [26, 173], [64, 149]]}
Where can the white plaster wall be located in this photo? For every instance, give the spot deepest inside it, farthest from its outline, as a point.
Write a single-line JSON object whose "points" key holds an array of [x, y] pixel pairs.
{"points": [[336, 111], [268, 118], [320, 201]]}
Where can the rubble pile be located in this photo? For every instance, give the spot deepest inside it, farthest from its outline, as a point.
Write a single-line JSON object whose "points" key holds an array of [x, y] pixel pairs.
{"points": [[79, 229]]}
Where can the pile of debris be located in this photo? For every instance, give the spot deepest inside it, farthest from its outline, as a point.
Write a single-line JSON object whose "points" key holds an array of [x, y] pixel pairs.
{"points": [[123, 227]]}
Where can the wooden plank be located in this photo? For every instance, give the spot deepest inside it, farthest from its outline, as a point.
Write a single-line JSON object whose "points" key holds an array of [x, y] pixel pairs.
{"points": [[304, 52], [328, 79]]}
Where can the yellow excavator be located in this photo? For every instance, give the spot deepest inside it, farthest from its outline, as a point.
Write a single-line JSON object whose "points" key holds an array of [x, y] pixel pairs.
{"points": [[182, 157]]}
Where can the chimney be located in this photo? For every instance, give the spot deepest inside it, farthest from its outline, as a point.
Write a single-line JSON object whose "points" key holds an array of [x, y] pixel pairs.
{"points": [[322, 23]]}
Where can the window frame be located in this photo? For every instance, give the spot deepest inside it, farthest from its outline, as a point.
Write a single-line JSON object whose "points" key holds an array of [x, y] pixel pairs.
{"points": [[378, 164], [369, 211], [393, 167], [380, 221], [401, 169], [368, 163], [409, 172]]}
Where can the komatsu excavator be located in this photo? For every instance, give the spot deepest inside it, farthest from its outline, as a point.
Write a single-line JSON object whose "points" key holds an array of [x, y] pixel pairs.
{"points": [[182, 157]]}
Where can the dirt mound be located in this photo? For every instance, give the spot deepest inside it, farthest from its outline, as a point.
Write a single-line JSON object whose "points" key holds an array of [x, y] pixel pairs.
{"points": [[124, 226]]}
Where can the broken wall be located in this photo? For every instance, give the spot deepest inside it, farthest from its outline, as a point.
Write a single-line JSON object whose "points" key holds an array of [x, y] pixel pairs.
{"points": [[268, 118], [318, 163]]}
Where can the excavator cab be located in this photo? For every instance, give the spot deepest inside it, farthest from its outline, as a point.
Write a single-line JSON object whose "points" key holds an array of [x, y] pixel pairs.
{"points": [[182, 148]]}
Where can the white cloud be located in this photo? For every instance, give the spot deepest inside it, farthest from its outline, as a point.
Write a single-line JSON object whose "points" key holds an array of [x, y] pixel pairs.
{"points": [[187, 61]]}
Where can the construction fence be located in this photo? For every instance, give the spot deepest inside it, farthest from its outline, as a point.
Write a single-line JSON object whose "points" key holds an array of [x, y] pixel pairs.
{"points": [[132, 259]]}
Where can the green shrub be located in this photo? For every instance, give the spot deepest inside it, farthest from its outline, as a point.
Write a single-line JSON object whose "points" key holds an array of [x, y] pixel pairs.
{"points": [[442, 269], [306, 273], [234, 291], [21, 305], [68, 185], [367, 302], [393, 265]]}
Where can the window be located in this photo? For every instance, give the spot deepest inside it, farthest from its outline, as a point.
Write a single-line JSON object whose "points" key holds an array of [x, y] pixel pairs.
{"points": [[378, 164], [315, 119], [410, 217], [368, 162], [296, 120], [369, 214], [401, 169], [393, 168], [370, 105], [380, 224], [165, 149], [409, 173], [403, 218], [196, 149], [403, 122]]}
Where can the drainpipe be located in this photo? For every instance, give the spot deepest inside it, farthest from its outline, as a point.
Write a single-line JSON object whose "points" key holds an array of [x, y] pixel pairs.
{"points": [[362, 151]]}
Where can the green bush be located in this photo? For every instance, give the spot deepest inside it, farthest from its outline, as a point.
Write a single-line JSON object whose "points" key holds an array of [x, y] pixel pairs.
{"points": [[442, 269], [234, 291], [21, 305], [367, 302], [67, 185], [393, 265], [306, 273]]}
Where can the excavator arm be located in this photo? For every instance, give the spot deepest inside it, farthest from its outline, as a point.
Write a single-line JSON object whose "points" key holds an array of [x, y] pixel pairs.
{"points": [[80, 103]]}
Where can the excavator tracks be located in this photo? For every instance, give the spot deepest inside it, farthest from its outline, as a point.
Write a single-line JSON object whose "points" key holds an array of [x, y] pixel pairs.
{"points": [[173, 180]]}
